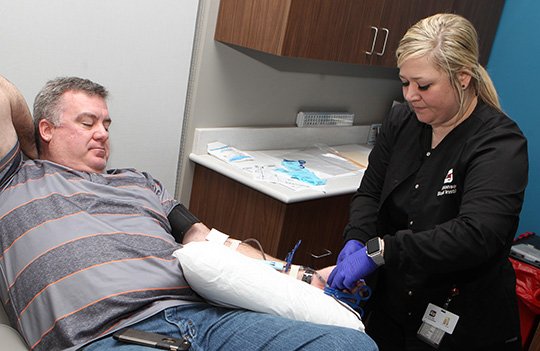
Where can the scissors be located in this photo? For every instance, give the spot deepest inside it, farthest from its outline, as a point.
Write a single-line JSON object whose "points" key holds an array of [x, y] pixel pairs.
{"points": [[362, 293]]}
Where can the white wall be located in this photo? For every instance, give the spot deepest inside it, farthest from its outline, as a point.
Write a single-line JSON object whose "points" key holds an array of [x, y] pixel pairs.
{"points": [[246, 88], [139, 49]]}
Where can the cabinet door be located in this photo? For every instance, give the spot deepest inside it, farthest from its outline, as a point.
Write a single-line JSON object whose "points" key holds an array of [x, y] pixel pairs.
{"points": [[397, 17], [255, 24], [334, 30], [485, 15]]}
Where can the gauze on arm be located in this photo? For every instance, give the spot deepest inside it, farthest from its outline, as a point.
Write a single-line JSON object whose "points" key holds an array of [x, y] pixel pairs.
{"points": [[227, 278]]}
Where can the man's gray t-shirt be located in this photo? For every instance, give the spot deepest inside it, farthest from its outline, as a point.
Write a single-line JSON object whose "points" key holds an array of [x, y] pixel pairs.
{"points": [[83, 254]]}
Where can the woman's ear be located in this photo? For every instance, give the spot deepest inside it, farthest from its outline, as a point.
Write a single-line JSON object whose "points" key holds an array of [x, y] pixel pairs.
{"points": [[46, 130], [464, 79]]}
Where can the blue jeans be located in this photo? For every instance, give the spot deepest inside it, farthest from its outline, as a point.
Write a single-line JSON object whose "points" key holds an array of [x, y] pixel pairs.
{"points": [[212, 328]]}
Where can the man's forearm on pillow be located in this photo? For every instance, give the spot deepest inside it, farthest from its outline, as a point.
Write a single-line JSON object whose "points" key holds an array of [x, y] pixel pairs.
{"points": [[200, 232]]}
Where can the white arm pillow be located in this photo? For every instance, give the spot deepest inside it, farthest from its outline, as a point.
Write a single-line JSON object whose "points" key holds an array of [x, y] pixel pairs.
{"points": [[227, 278]]}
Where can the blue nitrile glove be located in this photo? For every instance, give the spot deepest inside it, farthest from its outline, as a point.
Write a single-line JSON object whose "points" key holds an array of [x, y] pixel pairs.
{"points": [[348, 272], [350, 247]]}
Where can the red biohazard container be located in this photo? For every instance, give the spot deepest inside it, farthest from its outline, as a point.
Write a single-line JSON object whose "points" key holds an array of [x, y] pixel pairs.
{"points": [[528, 292]]}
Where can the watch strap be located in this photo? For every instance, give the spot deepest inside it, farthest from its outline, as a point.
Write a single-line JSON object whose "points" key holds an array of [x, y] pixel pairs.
{"points": [[307, 276]]}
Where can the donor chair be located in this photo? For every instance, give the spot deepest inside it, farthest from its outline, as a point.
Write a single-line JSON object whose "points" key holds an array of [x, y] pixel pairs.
{"points": [[10, 339]]}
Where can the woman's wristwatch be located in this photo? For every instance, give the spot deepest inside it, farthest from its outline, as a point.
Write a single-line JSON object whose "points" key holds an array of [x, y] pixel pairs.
{"points": [[375, 250]]}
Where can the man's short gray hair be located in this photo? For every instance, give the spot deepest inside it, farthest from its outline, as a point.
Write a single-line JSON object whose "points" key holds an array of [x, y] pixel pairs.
{"points": [[46, 103]]}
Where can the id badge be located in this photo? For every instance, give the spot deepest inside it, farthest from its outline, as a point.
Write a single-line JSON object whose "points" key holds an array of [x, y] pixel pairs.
{"points": [[435, 324]]}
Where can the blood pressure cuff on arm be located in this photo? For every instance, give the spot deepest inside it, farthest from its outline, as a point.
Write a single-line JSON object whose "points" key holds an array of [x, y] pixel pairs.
{"points": [[227, 278], [181, 220]]}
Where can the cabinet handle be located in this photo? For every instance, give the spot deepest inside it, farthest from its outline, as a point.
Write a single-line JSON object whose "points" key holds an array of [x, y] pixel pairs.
{"points": [[325, 254], [374, 40], [385, 40]]}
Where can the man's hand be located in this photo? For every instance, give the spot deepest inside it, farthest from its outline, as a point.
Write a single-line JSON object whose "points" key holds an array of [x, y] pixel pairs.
{"points": [[321, 277], [350, 270]]}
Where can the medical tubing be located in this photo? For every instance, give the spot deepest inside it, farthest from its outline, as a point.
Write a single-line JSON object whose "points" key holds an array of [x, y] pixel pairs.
{"points": [[259, 246]]}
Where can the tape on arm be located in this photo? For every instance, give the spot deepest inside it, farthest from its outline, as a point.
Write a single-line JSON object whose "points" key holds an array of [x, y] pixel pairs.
{"points": [[217, 237]]}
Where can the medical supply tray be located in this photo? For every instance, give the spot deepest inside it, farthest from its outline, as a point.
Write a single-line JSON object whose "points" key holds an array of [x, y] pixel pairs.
{"points": [[526, 248]]}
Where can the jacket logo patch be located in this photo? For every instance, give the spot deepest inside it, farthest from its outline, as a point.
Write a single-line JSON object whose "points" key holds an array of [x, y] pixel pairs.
{"points": [[448, 188], [449, 176]]}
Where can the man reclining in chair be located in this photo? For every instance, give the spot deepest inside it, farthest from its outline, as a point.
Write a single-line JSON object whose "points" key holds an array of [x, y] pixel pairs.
{"points": [[86, 252]]}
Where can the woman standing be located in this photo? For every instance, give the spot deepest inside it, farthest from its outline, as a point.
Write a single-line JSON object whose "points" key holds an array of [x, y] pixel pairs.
{"points": [[439, 204]]}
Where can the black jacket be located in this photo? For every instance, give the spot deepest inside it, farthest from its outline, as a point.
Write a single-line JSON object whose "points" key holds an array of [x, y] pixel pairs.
{"points": [[448, 217]]}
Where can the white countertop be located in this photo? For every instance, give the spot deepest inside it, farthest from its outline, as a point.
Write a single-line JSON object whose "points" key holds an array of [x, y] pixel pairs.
{"points": [[251, 140]]}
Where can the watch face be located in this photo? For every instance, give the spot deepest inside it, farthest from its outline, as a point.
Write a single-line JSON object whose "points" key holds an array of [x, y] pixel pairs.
{"points": [[373, 246]]}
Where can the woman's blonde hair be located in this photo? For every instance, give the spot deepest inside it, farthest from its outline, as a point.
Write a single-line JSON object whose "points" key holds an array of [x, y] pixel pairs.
{"points": [[450, 42]]}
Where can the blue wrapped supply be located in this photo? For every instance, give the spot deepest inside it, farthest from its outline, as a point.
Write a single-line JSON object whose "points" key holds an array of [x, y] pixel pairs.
{"points": [[296, 170]]}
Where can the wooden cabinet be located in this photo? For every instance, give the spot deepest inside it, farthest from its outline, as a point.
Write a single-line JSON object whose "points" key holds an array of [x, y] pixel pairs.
{"points": [[351, 31], [398, 16], [485, 15], [233, 208]]}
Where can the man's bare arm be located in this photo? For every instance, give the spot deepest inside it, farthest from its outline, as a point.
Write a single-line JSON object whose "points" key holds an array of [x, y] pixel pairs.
{"points": [[15, 121], [199, 231]]}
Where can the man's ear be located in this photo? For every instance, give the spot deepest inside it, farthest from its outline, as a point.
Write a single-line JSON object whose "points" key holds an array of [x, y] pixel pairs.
{"points": [[46, 130]]}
